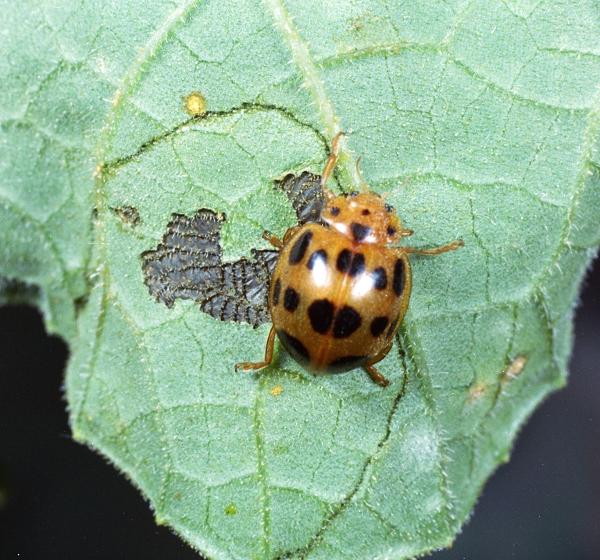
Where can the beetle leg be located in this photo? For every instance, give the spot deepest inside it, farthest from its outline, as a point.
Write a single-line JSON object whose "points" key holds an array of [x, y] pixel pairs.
{"points": [[373, 372], [246, 366], [376, 376], [290, 233], [272, 239], [433, 250]]}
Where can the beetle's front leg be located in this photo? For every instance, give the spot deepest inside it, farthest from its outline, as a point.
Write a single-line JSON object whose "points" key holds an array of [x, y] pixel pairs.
{"points": [[272, 239], [433, 250], [280, 243]]}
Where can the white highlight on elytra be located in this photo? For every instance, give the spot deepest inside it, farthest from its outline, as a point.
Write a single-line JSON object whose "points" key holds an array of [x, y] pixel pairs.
{"points": [[363, 286], [320, 274]]}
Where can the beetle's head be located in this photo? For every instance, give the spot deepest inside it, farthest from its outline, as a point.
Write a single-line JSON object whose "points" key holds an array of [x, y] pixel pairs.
{"points": [[363, 217]]}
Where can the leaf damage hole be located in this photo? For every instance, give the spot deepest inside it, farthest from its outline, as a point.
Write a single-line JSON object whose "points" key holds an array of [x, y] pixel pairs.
{"points": [[187, 263], [305, 192]]}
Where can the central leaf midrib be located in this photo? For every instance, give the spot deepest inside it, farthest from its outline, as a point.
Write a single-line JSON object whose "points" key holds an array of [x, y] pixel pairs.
{"points": [[308, 70]]}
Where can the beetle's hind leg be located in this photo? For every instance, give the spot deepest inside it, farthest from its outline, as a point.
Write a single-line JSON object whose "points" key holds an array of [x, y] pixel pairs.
{"points": [[373, 372], [376, 376], [247, 366]]}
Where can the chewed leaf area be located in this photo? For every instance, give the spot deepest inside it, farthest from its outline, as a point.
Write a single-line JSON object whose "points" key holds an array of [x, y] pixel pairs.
{"points": [[305, 192], [188, 263], [146, 149]]}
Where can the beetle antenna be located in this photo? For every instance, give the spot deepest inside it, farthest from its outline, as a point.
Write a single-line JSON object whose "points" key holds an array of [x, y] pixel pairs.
{"points": [[364, 188], [332, 159]]}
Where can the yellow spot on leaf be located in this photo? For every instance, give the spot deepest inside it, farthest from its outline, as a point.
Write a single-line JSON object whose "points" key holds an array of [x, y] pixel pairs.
{"points": [[277, 390], [195, 104], [477, 390], [514, 369], [230, 509]]}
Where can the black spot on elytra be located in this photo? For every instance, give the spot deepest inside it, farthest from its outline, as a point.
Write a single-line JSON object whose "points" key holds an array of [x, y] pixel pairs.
{"points": [[294, 347], [347, 321], [291, 299], [346, 363], [378, 325], [391, 231], [343, 261], [398, 281], [379, 278], [299, 249], [320, 255], [276, 291], [358, 264], [366, 212], [393, 326], [320, 313], [359, 231], [334, 210]]}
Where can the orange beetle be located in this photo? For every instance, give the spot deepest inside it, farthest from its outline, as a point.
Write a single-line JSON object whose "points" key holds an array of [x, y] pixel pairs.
{"points": [[340, 288]]}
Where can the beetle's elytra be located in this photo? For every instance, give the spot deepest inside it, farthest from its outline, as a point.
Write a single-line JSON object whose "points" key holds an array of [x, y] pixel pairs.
{"points": [[342, 284]]}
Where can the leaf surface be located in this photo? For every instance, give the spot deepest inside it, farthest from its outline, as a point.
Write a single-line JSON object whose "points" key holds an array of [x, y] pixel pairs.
{"points": [[480, 120]]}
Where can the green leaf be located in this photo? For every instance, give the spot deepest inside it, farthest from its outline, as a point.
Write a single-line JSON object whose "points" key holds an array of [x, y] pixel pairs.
{"points": [[479, 119]]}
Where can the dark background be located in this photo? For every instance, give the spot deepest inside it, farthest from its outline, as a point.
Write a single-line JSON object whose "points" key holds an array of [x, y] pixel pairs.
{"points": [[60, 500]]}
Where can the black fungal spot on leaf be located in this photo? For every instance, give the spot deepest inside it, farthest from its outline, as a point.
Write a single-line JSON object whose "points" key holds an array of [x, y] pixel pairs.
{"points": [[188, 264]]}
